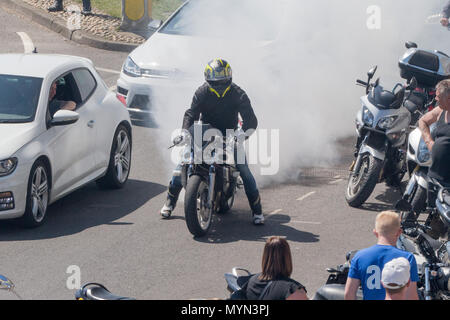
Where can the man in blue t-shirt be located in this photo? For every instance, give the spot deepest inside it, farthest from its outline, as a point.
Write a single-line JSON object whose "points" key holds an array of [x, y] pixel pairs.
{"points": [[367, 264]]}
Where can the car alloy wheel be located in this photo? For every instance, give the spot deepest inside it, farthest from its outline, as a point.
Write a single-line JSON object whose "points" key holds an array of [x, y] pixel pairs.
{"points": [[39, 194], [122, 156]]}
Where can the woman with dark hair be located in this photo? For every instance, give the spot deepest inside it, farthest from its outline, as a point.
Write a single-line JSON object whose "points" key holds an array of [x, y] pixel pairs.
{"points": [[274, 282]]}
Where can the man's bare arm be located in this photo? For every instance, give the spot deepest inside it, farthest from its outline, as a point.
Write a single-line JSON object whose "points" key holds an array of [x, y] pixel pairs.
{"points": [[424, 125], [351, 287]]}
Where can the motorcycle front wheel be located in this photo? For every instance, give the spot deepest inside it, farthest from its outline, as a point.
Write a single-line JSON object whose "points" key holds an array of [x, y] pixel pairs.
{"points": [[362, 183], [198, 215]]}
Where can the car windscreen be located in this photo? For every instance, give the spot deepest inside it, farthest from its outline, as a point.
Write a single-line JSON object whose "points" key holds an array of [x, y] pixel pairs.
{"points": [[19, 98], [234, 19]]}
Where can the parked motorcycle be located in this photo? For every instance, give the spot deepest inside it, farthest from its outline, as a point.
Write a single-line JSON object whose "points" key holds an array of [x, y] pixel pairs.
{"points": [[382, 126], [211, 182]]}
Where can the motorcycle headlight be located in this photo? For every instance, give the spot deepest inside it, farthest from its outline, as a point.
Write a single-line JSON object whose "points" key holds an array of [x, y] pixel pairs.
{"points": [[7, 166], [423, 154], [131, 69], [387, 122], [367, 117]]}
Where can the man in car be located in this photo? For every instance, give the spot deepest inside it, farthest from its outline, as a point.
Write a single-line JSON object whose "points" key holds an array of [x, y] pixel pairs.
{"points": [[55, 105], [446, 15], [220, 102]]}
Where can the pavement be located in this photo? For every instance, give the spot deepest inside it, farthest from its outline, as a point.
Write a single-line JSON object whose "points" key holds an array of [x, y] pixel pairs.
{"points": [[117, 238]]}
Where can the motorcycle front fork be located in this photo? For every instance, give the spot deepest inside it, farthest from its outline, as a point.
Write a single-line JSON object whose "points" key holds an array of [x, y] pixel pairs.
{"points": [[212, 183]]}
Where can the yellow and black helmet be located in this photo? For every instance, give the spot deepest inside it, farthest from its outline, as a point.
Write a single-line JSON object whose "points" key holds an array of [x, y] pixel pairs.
{"points": [[218, 75]]}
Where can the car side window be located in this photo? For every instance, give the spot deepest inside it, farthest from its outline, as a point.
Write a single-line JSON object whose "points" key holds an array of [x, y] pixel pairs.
{"points": [[86, 83]]}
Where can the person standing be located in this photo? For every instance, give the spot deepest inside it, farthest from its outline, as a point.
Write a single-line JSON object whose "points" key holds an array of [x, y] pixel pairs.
{"points": [[58, 6], [367, 264]]}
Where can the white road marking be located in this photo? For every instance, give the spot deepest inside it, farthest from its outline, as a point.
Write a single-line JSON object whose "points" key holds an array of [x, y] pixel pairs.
{"points": [[336, 181], [306, 196], [108, 70], [274, 212], [27, 42], [297, 221]]}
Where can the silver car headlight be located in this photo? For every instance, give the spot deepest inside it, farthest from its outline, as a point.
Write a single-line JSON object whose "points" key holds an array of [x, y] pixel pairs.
{"points": [[131, 69], [367, 117], [387, 122], [423, 154], [7, 166]]}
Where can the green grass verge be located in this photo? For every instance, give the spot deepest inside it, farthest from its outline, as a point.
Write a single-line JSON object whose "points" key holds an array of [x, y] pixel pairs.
{"points": [[161, 9]]}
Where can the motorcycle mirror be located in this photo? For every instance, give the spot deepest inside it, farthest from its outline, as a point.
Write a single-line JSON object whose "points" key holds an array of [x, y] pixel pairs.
{"points": [[372, 72], [410, 44], [5, 283]]}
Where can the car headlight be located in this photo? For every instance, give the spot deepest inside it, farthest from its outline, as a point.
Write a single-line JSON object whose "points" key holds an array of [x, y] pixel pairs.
{"points": [[131, 69], [367, 117], [387, 122], [423, 154], [7, 166]]}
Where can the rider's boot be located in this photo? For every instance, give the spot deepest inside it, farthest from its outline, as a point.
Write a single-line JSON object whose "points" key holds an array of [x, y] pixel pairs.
{"points": [[258, 217]]}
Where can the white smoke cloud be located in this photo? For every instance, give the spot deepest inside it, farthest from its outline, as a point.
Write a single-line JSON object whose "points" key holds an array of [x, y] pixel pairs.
{"points": [[302, 82]]}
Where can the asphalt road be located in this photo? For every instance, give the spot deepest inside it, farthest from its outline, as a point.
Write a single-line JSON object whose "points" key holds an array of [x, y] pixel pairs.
{"points": [[118, 238]]}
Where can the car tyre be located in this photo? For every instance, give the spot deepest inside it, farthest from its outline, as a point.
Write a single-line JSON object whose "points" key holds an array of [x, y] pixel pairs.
{"points": [[119, 162], [38, 196]]}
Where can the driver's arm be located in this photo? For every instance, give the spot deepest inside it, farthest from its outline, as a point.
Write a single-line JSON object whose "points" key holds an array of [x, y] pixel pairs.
{"points": [[424, 125], [248, 115], [69, 105]]}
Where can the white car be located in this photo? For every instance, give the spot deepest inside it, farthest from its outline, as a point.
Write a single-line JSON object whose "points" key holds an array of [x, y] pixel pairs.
{"points": [[46, 153], [174, 57]]}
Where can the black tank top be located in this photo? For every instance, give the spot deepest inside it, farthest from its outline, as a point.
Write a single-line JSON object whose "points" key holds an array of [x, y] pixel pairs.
{"points": [[440, 169]]}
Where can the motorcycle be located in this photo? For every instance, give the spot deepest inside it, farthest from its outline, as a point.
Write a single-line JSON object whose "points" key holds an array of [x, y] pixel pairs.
{"points": [[210, 183], [97, 291], [382, 126]]}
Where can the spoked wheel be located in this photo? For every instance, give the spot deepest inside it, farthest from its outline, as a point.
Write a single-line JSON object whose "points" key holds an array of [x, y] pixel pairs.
{"points": [[120, 161], [37, 196], [198, 215], [362, 183]]}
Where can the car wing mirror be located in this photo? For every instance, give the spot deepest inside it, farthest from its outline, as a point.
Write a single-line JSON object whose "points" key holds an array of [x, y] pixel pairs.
{"points": [[64, 117]]}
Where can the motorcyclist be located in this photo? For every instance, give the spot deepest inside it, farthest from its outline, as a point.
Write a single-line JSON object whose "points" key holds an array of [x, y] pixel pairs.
{"points": [[220, 102], [446, 15]]}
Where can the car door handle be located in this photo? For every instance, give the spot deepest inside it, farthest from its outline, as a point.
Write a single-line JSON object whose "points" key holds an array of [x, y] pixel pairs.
{"points": [[91, 123]]}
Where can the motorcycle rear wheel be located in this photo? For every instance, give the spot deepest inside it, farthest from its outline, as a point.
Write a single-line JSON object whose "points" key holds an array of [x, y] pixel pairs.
{"points": [[198, 216], [361, 185]]}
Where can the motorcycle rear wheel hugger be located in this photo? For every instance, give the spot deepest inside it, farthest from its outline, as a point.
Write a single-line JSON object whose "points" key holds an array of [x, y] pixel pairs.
{"points": [[194, 185], [367, 182]]}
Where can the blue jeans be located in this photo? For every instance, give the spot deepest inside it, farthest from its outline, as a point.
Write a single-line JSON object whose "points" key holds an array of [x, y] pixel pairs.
{"points": [[251, 190]]}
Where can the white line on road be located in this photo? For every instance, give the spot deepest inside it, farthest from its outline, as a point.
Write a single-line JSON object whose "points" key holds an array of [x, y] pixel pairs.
{"points": [[108, 70], [274, 212], [306, 196], [336, 181], [297, 221], [27, 42]]}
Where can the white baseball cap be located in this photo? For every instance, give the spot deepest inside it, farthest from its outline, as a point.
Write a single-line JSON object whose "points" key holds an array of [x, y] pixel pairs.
{"points": [[395, 274]]}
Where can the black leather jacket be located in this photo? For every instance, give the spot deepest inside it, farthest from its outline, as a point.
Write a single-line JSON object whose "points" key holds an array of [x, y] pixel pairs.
{"points": [[221, 113]]}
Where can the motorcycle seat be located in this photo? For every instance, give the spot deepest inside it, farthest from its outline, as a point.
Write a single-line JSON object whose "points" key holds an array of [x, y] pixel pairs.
{"points": [[334, 292], [99, 293]]}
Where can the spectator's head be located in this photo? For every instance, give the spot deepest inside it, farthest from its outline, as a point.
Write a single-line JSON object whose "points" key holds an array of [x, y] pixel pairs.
{"points": [[443, 94], [388, 226], [395, 277], [277, 259]]}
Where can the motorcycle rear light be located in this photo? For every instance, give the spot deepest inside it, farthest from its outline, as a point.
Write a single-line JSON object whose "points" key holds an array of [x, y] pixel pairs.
{"points": [[6, 201], [121, 99]]}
